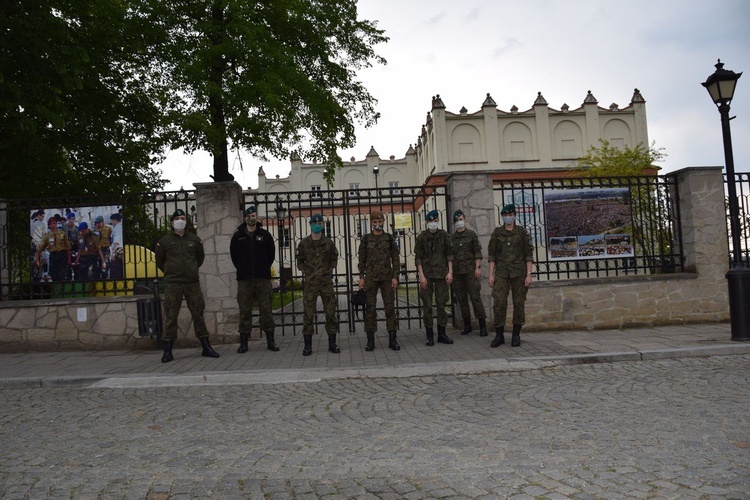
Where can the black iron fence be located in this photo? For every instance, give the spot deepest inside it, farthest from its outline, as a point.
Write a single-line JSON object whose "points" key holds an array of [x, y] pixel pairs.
{"points": [[596, 227], [742, 184], [347, 219], [127, 226]]}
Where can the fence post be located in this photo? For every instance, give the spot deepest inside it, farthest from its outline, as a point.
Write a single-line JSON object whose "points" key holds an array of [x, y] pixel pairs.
{"points": [[700, 191], [472, 193], [219, 213]]}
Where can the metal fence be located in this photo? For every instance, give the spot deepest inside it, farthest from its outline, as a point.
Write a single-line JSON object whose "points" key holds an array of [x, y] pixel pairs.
{"points": [[130, 226], [347, 220], [596, 227], [742, 184]]}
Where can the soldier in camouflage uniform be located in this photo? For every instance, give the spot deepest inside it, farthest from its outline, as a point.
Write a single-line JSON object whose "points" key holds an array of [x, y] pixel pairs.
{"points": [[253, 251], [179, 254], [379, 266], [467, 271], [317, 257], [511, 260], [434, 259]]}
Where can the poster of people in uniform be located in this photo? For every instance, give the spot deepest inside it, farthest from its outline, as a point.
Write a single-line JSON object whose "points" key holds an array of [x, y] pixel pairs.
{"points": [[76, 243], [589, 223]]}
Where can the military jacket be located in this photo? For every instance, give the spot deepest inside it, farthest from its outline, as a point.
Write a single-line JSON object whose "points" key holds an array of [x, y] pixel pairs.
{"points": [[54, 241], [73, 235], [510, 250], [179, 257], [317, 259], [433, 251], [466, 250], [379, 257], [88, 245], [104, 234]]}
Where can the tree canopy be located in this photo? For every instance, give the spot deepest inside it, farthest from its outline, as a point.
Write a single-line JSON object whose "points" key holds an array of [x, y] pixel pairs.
{"points": [[272, 77], [75, 117], [607, 160], [92, 92]]}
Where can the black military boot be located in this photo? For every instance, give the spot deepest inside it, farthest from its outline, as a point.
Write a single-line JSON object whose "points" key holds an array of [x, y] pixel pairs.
{"points": [[499, 336], [270, 342], [482, 327], [243, 342], [208, 351], [467, 326], [370, 342], [442, 337], [430, 337], [167, 356], [307, 350], [515, 341], [393, 341], [332, 347]]}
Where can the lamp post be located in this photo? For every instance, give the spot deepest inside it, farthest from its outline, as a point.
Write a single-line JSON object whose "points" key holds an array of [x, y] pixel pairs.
{"points": [[720, 86], [280, 213]]}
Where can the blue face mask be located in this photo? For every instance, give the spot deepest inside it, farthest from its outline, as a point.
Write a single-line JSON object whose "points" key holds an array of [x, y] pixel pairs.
{"points": [[317, 228]]}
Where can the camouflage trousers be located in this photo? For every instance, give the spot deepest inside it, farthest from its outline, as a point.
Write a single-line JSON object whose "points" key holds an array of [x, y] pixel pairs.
{"points": [[389, 297], [438, 288], [173, 294], [500, 290], [466, 287], [250, 291], [310, 293]]}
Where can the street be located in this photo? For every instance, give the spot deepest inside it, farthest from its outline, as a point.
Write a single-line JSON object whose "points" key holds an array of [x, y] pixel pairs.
{"points": [[674, 428]]}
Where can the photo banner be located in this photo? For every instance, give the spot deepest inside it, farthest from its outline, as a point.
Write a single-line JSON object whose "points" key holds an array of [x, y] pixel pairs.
{"points": [[591, 223]]}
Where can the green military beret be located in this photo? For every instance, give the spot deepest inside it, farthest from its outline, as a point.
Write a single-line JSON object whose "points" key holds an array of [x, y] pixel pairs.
{"points": [[316, 218], [508, 209], [249, 210], [177, 213], [458, 213], [432, 215]]}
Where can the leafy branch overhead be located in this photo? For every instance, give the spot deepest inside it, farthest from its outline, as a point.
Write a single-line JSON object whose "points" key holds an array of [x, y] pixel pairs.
{"points": [[607, 160], [273, 77]]}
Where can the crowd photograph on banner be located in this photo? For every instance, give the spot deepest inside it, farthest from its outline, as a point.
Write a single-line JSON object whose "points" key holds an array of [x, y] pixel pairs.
{"points": [[589, 223], [77, 243]]}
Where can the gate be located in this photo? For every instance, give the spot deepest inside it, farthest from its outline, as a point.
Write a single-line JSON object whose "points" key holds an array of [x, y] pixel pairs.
{"points": [[347, 220]]}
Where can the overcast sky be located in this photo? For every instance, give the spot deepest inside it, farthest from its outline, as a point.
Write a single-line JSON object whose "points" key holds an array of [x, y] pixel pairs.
{"points": [[562, 48]]}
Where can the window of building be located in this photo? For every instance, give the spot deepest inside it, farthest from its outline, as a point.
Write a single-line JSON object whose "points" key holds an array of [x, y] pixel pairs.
{"points": [[315, 192], [328, 230], [354, 189], [363, 227], [285, 238], [393, 186]]}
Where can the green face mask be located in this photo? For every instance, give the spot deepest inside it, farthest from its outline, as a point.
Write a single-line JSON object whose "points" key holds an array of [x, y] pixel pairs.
{"points": [[317, 228]]}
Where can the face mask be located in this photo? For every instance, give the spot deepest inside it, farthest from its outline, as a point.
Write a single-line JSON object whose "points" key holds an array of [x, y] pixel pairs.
{"points": [[508, 219], [251, 221], [377, 227], [432, 226], [179, 225], [317, 228], [460, 224]]}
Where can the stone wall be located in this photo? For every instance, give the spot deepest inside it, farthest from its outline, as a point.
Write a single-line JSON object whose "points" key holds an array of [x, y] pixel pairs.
{"points": [[697, 296]]}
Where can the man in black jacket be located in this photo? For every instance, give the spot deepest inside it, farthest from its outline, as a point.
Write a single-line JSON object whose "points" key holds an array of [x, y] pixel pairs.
{"points": [[252, 250]]}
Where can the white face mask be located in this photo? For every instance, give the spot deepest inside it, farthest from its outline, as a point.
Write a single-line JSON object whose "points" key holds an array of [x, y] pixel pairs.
{"points": [[179, 225], [432, 226], [377, 227], [508, 219], [460, 224]]}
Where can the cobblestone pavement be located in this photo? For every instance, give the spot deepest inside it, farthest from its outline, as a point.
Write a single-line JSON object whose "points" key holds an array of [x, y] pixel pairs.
{"points": [[669, 428]]}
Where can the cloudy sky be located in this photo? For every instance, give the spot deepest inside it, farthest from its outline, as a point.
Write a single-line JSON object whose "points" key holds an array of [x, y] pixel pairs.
{"points": [[562, 48]]}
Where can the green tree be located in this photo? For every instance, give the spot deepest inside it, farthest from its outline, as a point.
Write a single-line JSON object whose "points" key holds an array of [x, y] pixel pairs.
{"points": [[75, 115], [607, 160], [272, 77], [649, 200]]}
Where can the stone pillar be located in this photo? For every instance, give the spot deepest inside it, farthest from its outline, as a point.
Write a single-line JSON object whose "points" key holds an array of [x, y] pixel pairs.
{"points": [[472, 193], [219, 210], [704, 231]]}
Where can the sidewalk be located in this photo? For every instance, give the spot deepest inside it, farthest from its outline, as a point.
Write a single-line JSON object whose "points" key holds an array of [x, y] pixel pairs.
{"points": [[468, 354]]}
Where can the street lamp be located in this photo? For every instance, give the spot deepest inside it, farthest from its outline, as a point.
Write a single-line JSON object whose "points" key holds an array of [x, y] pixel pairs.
{"points": [[280, 213], [720, 86], [376, 171]]}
